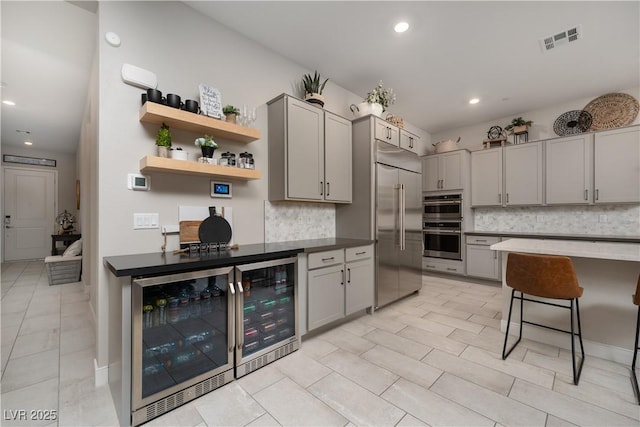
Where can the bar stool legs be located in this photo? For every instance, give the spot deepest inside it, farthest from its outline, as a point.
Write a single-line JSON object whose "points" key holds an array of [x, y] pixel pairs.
{"points": [[634, 378], [577, 368]]}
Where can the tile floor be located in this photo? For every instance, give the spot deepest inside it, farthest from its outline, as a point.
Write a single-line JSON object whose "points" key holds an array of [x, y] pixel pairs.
{"points": [[431, 359]]}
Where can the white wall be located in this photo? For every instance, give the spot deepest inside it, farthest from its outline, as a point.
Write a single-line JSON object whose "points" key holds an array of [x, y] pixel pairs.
{"points": [[543, 119]]}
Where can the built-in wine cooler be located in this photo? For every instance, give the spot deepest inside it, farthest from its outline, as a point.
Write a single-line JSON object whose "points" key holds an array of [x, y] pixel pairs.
{"points": [[194, 332]]}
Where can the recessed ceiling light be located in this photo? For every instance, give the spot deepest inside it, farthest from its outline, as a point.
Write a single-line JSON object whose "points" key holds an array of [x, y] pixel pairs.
{"points": [[401, 27], [7, 102], [28, 143], [474, 100]]}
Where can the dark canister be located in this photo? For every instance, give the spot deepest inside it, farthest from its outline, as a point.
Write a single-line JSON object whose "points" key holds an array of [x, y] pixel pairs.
{"points": [[191, 106], [143, 98], [173, 100], [154, 95]]}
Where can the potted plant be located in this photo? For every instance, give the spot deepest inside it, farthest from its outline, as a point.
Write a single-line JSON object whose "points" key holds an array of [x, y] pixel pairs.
{"points": [[313, 88], [163, 141], [230, 112], [376, 102], [518, 125], [207, 145]]}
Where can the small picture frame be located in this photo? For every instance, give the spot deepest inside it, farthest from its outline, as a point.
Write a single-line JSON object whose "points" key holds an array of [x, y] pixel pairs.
{"points": [[210, 101]]}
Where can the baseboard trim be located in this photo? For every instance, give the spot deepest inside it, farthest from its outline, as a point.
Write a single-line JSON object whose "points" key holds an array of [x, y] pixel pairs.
{"points": [[591, 348], [100, 374]]}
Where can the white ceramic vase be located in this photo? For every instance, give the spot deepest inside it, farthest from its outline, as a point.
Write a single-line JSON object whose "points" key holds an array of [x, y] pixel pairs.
{"points": [[365, 108]]}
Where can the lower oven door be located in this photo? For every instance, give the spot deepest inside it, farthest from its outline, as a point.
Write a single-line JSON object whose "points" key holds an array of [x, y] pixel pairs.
{"points": [[442, 244]]}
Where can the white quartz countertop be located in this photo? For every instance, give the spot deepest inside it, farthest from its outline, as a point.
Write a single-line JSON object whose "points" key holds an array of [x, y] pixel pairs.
{"points": [[573, 248]]}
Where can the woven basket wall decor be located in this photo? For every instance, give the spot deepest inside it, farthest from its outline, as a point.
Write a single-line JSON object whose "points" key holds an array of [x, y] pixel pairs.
{"points": [[612, 110]]}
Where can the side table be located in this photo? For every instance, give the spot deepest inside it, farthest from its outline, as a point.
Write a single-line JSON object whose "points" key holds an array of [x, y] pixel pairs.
{"points": [[66, 240]]}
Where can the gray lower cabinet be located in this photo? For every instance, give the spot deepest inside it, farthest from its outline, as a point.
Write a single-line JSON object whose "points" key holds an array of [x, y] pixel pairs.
{"points": [[481, 260], [310, 153], [340, 282]]}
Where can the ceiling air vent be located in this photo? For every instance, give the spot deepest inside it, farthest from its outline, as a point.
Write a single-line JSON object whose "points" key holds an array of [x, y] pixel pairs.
{"points": [[556, 40]]}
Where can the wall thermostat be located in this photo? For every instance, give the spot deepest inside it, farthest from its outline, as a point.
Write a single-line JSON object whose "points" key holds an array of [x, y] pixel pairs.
{"points": [[221, 189], [138, 182]]}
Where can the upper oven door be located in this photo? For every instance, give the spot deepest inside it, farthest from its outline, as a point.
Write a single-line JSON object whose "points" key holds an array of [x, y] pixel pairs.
{"points": [[442, 207]]}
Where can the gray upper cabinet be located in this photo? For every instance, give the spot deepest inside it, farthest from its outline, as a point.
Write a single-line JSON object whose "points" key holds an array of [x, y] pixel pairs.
{"points": [[523, 179], [409, 141], [486, 177], [617, 166], [386, 132], [446, 171], [337, 155], [569, 170], [310, 153]]}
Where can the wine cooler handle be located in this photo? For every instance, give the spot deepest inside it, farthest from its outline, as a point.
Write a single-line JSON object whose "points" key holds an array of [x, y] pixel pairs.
{"points": [[230, 320], [240, 324]]}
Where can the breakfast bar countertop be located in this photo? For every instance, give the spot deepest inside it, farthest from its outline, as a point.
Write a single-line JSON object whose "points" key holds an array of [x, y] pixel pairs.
{"points": [[557, 236], [621, 251]]}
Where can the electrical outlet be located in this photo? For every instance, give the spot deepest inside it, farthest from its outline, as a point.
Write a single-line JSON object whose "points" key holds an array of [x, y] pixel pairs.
{"points": [[602, 218], [539, 218]]}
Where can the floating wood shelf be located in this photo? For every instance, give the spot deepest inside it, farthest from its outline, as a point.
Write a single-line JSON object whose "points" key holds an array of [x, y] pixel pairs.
{"points": [[152, 112], [152, 164]]}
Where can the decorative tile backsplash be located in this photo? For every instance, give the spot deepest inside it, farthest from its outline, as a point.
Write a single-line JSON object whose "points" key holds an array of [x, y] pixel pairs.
{"points": [[296, 221], [619, 220]]}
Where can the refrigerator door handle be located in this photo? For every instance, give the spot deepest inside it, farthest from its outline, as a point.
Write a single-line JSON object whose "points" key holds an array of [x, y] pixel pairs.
{"points": [[402, 218], [240, 324]]}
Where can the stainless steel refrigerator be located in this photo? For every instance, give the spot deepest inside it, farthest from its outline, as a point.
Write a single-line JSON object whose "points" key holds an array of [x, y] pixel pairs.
{"points": [[386, 208]]}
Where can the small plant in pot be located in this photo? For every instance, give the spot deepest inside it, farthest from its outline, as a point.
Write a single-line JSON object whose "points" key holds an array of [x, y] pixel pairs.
{"points": [[518, 125], [163, 141], [313, 88], [207, 145], [376, 102], [231, 113]]}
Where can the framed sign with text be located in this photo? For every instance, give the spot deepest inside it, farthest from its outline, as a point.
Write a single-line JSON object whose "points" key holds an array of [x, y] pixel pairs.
{"points": [[210, 101]]}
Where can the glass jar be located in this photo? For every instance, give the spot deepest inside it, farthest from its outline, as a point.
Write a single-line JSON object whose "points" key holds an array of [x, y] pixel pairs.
{"points": [[227, 159], [243, 161]]}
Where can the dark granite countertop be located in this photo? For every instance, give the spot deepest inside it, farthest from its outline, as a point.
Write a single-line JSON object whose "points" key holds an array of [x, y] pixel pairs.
{"points": [[589, 237], [158, 263]]}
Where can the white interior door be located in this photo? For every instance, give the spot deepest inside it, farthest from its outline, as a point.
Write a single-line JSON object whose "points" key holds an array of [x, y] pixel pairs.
{"points": [[30, 199]]}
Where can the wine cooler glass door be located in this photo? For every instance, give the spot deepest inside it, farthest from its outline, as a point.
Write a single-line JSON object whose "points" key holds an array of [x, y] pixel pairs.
{"points": [[182, 332], [266, 315]]}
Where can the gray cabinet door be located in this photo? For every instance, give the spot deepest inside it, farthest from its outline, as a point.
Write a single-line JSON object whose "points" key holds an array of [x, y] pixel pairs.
{"points": [[305, 151], [325, 296], [569, 166], [617, 166], [451, 171], [360, 286], [386, 132], [409, 141], [338, 164], [523, 174], [430, 173], [482, 262], [486, 177]]}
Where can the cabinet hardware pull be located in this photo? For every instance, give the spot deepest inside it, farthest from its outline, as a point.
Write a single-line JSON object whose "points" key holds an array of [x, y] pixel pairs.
{"points": [[431, 266], [240, 289], [328, 259], [342, 277], [231, 289], [480, 240], [451, 269], [597, 194], [321, 187], [348, 275], [495, 254], [361, 253], [586, 194], [328, 187], [507, 197]]}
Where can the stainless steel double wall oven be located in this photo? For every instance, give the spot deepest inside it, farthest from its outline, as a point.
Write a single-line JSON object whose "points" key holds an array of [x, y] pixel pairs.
{"points": [[442, 225]]}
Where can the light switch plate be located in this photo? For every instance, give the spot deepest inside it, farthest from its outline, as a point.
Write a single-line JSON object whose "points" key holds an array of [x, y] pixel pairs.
{"points": [[146, 220]]}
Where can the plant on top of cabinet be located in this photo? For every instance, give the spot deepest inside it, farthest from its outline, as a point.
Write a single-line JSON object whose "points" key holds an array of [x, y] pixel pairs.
{"points": [[163, 140], [207, 145], [230, 113], [313, 88], [518, 125]]}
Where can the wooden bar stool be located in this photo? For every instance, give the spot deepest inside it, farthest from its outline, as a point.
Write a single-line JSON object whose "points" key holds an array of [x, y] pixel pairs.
{"points": [[544, 276], [634, 378]]}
